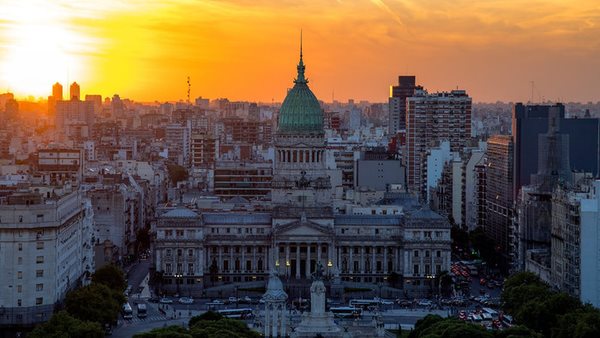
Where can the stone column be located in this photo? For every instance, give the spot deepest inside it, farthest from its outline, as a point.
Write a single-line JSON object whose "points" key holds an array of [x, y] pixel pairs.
{"points": [[298, 260], [220, 262], [243, 259], [267, 321], [307, 268], [275, 321], [351, 260], [283, 320], [319, 253], [373, 260], [362, 259], [385, 261], [199, 262]]}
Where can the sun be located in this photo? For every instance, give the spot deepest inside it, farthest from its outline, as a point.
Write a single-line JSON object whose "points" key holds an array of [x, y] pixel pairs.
{"points": [[37, 48]]}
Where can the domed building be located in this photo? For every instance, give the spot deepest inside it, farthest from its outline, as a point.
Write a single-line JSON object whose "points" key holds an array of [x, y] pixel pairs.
{"points": [[305, 174]]}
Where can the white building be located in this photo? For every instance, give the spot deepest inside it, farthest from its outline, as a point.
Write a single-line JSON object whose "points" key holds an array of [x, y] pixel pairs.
{"points": [[45, 250]]}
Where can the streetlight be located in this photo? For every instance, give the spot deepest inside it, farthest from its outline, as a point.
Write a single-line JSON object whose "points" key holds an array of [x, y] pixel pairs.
{"points": [[178, 278]]}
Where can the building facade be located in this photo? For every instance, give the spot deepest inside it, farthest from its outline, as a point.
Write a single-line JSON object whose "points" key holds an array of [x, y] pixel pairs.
{"points": [[46, 244]]}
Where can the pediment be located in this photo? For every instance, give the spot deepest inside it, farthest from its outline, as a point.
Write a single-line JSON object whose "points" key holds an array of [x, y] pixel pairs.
{"points": [[303, 229]]}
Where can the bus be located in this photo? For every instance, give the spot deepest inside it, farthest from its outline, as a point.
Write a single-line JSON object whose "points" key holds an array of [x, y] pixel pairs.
{"points": [[127, 311], [365, 304], [142, 311], [243, 313], [346, 312]]}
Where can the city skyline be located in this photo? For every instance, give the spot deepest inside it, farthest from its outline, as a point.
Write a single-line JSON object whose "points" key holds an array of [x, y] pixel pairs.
{"points": [[245, 50]]}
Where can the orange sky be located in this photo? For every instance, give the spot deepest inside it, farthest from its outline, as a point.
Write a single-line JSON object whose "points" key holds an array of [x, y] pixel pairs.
{"points": [[248, 49]]}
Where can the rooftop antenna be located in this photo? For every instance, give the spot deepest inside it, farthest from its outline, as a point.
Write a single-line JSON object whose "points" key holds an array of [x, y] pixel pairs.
{"points": [[532, 86], [189, 85]]}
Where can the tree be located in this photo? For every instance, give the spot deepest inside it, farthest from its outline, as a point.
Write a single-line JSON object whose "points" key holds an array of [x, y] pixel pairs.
{"points": [[393, 279], [173, 331], [206, 316], [62, 325], [539, 312], [111, 276], [521, 288], [177, 173], [95, 302], [433, 326], [143, 238]]}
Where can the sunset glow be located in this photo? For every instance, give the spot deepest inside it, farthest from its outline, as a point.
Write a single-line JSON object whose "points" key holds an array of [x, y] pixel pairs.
{"points": [[247, 50]]}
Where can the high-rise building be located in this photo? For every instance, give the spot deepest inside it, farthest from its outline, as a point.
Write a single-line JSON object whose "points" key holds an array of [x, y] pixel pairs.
{"points": [[397, 102], [57, 92], [46, 242], [499, 191], [575, 240], [430, 119], [529, 121], [74, 92]]}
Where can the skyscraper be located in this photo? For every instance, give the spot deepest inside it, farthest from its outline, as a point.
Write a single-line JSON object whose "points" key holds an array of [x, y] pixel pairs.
{"points": [[397, 102], [74, 91], [57, 92], [528, 122], [499, 194], [431, 118]]}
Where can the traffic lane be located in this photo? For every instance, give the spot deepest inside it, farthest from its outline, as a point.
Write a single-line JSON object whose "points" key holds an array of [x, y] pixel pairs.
{"points": [[137, 273]]}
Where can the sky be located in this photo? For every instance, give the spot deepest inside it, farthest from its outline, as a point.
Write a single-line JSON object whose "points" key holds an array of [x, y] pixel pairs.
{"points": [[248, 49]]}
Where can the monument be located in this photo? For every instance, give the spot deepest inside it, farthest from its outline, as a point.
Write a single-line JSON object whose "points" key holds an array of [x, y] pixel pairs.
{"points": [[317, 322], [275, 310]]}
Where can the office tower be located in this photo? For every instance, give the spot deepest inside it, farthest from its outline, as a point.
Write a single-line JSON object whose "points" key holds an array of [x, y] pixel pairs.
{"points": [[499, 191], [529, 122], [430, 119], [204, 150], [57, 92], [45, 239], [534, 206], [74, 92], [397, 102]]}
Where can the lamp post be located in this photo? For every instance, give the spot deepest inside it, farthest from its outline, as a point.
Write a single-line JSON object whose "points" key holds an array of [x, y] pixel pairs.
{"points": [[178, 279]]}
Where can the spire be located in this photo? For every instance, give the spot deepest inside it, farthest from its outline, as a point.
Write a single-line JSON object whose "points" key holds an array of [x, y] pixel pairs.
{"points": [[301, 78]]}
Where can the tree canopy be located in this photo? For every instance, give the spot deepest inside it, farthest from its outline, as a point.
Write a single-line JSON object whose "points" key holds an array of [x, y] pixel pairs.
{"points": [[63, 325], [111, 276], [207, 325], [95, 302]]}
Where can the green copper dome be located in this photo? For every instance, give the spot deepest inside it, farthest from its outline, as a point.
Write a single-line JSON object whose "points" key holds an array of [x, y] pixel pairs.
{"points": [[301, 111]]}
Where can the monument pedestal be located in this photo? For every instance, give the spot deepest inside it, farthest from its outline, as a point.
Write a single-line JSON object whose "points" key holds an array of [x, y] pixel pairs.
{"points": [[317, 321]]}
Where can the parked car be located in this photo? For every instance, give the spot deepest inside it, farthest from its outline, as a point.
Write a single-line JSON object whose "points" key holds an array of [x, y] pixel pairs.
{"points": [[232, 300], [166, 300], [153, 299], [186, 300]]}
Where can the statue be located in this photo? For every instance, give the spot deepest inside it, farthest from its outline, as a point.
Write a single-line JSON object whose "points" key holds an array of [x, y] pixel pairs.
{"points": [[319, 272]]}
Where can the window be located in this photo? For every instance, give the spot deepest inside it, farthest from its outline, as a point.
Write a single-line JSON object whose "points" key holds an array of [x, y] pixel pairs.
{"points": [[168, 268], [342, 231], [226, 249], [20, 275], [39, 245], [416, 269], [39, 259], [168, 233], [190, 269], [260, 249], [248, 249], [438, 253], [39, 273], [39, 301], [228, 230], [179, 233], [438, 269], [427, 269], [19, 302], [225, 265], [248, 265], [416, 253], [39, 287], [239, 230], [179, 252], [168, 252], [19, 288], [20, 260], [426, 253], [20, 246], [191, 252], [427, 234], [376, 231]]}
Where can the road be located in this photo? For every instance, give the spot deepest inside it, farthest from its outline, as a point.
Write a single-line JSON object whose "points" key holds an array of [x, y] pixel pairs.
{"points": [[137, 273]]}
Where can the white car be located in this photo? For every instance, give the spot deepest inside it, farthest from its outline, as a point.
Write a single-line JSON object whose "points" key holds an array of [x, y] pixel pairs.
{"points": [[165, 301], [425, 302], [186, 300], [232, 300]]}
